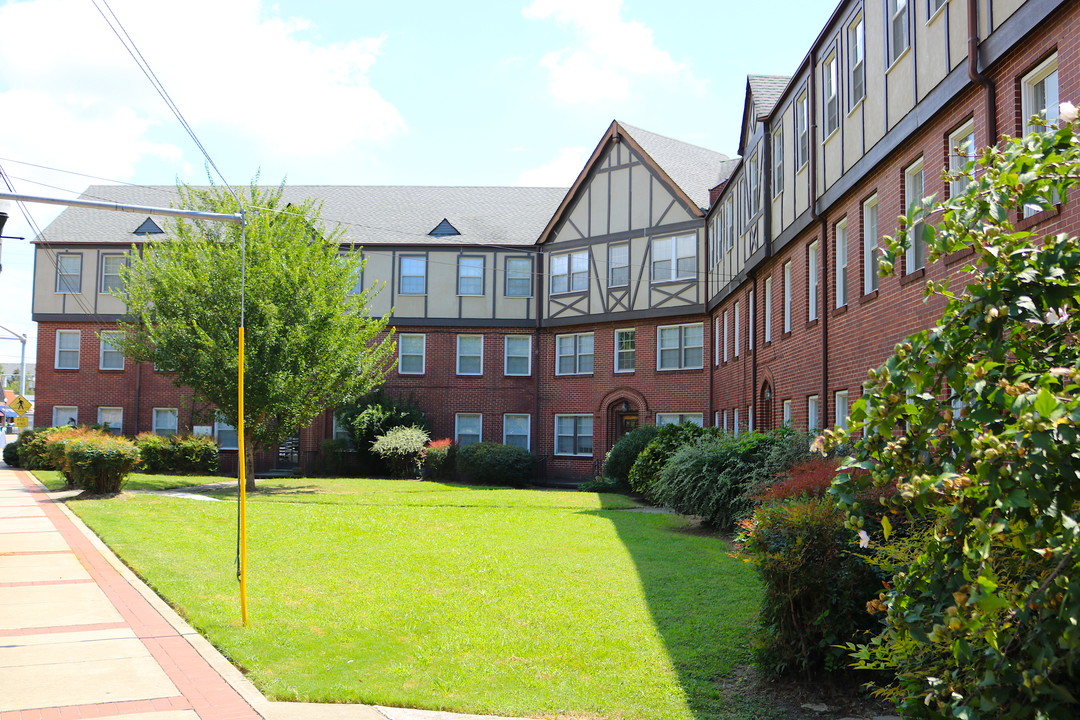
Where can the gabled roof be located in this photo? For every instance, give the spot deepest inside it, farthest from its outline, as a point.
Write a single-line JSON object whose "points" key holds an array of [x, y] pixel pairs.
{"points": [[369, 215], [690, 170], [762, 94]]}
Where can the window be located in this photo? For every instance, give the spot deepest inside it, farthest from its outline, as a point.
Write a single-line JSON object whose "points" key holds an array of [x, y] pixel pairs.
{"points": [[468, 428], [897, 12], [750, 310], [753, 186], [749, 418], [787, 296], [570, 272], [227, 438], [413, 275], [574, 354], [68, 273], [516, 430], [726, 327], [841, 263], [65, 415], [870, 245], [736, 314], [736, 422], [111, 419], [674, 258], [813, 282], [725, 426], [915, 255], [679, 418], [802, 132], [573, 435], [412, 351], [856, 34], [517, 355], [110, 272], [933, 6], [786, 413], [1040, 95], [841, 404], [625, 350], [470, 354], [518, 277], [961, 152], [679, 347], [110, 358], [166, 421], [778, 161], [618, 265], [831, 97], [729, 224], [813, 419], [470, 275], [67, 349], [358, 282], [768, 310]]}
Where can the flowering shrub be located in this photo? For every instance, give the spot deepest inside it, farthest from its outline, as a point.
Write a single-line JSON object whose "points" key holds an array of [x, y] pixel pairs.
{"points": [[439, 459], [809, 478]]}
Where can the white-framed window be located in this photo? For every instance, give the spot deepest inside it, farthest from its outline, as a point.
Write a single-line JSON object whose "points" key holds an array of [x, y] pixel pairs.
{"points": [[736, 422], [570, 272], [674, 258], [802, 131], [67, 349], [166, 421], [109, 358], [679, 347], [625, 350], [574, 435], [110, 272], [786, 412], [778, 160], [65, 415], [856, 35], [69, 273], [1039, 95], [574, 354], [726, 426], [518, 277], [870, 245], [413, 279], [227, 439], [751, 309], [736, 321], [767, 329], [831, 94], [470, 354], [841, 405], [932, 6], [749, 418], [896, 11], [753, 186], [470, 275], [813, 415], [787, 296], [813, 281], [516, 430], [412, 353], [729, 224], [358, 281], [517, 355], [915, 255], [727, 330], [468, 428], [618, 265], [961, 153], [111, 419], [841, 263], [679, 418]]}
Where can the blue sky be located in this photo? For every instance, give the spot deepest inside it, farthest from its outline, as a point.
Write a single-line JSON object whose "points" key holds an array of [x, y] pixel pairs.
{"points": [[515, 92]]}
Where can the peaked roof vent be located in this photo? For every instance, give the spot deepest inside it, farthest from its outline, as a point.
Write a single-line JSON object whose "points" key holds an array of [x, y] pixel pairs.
{"points": [[444, 229], [148, 227]]}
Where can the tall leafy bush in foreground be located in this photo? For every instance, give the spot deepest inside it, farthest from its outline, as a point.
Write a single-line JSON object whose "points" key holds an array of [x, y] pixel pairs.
{"points": [[981, 619], [621, 457], [650, 461], [402, 450], [490, 463]]}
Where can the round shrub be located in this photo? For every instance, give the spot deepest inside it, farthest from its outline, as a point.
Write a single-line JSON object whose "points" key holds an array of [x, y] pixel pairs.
{"points": [[489, 463], [669, 438], [154, 452], [373, 415], [99, 464], [402, 450], [33, 445], [621, 456], [11, 454]]}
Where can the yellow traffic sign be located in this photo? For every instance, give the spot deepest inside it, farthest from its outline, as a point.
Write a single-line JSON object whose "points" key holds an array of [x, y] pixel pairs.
{"points": [[21, 405], [22, 421]]}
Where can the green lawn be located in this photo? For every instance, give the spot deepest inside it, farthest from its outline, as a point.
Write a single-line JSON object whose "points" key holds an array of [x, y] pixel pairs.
{"points": [[138, 481], [445, 597]]}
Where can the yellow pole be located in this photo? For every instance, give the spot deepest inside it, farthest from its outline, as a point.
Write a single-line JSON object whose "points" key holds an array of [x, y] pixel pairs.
{"points": [[243, 484]]}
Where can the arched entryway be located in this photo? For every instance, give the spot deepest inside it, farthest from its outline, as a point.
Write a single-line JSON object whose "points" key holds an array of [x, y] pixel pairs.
{"points": [[623, 416], [766, 419]]}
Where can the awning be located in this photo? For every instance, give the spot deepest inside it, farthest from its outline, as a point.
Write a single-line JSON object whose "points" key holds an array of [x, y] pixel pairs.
{"points": [[8, 412]]}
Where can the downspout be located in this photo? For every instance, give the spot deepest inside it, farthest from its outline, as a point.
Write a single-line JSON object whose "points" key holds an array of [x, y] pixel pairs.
{"points": [[711, 367], [766, 201], [823, 264], [978, 77], [538, 288]]}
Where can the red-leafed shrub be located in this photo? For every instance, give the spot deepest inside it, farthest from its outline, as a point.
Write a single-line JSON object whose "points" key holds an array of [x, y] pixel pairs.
{"points": [[439, 459], [809, 478]]}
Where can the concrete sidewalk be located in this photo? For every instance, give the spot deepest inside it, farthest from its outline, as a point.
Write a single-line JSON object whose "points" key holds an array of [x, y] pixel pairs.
{"points": [[82, 637]]}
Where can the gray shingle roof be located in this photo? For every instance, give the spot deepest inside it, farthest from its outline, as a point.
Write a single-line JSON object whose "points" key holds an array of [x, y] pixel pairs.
{"points": [[694, 169], [766, 90], [370, 215]]}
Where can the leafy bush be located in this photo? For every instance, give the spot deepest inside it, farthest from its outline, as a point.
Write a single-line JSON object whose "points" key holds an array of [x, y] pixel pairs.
{"points": [[439, 459], [54, 446], [332, 458], [402, 450], [815, 589], [809, 478], [33, 445], [650, 461], [374, 415], [101, 464], [11, 453], [154, 452], [621, 456], [605, 485], [489, 463], [177, 454]]}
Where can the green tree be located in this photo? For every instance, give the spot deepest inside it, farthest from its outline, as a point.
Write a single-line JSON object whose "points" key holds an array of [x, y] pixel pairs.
{"points": [[975, 421], [310, 343]]}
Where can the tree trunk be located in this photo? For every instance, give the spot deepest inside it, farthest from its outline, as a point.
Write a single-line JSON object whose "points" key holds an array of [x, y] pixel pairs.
{"points": [[249, 461]]}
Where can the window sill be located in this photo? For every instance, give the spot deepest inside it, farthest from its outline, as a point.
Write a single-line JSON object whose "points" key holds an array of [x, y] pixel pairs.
{"points": [[959, 255], [856, 107], [911, 277], [811, 323], [114, 370], [839, 310], [831, 134], [569, 375], [684, 369], [66, 369], [937, 13], [1025, 223], [901, 56], [869, 297]]}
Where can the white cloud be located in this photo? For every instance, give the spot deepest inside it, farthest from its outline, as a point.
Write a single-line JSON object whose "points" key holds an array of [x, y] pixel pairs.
{"points": [[560, 172], [610, 53]]}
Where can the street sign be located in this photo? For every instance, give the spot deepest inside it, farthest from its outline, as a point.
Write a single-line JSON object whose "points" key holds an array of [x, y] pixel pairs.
{"points": [[22, 421], [21, 405]]}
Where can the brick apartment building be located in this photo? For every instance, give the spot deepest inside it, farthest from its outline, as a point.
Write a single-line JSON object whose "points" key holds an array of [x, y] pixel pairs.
{"points": [[670, 282]]}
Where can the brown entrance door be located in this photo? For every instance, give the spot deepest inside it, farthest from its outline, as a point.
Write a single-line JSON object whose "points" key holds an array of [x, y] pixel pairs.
{"points": [[624, 423]]}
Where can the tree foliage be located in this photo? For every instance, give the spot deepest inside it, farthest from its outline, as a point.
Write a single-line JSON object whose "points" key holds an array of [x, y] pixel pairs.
{"points": [[310, 343], [976, 422]]}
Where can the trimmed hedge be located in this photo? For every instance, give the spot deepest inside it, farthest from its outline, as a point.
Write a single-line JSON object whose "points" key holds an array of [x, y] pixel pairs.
{"points": [[99, 465], [402, 450], [177, 454], [491, 463]]}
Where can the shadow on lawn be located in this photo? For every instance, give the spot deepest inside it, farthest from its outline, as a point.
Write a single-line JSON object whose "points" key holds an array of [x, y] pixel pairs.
{"points": [[702, 599]]}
